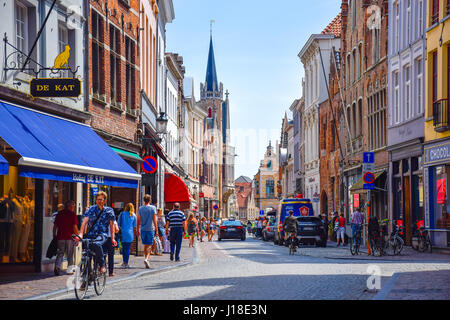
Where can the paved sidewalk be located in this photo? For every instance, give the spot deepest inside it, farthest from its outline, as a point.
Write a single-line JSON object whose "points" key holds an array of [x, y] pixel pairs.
{"points": [[43, 285]]}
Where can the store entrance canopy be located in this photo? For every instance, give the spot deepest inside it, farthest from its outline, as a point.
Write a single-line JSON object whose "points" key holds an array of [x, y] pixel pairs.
{"points": [[175, 190], [57, 149]]}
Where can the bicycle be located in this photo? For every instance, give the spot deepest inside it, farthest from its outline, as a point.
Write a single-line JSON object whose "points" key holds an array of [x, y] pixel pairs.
{"points": [[395, 242], [88, 271], [423, 238], [292, 243], [354, 245]]}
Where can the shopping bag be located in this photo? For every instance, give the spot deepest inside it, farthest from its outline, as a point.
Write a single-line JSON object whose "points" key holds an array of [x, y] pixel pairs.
{"points": [[166, 246], [52, 249]]}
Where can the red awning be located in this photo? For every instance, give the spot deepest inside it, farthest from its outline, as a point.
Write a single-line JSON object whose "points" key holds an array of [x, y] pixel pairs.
{"points": [[175, 190]]}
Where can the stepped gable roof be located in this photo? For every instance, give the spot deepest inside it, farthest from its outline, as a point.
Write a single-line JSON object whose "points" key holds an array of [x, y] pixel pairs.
{"points": [[334, 27]]}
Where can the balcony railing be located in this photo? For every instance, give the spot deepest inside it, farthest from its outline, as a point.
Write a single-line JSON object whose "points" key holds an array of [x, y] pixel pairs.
{"points": [[441, 114]]}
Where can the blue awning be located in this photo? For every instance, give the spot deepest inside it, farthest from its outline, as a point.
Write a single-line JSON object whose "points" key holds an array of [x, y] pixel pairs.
{"points": [[4, 167], [57, 149]]}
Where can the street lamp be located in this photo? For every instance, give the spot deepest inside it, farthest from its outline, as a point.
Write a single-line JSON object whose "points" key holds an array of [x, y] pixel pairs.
{"points": [[161, 124]]}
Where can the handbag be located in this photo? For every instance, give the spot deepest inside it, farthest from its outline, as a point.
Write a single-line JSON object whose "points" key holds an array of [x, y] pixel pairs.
{"points": [[52, 248]]}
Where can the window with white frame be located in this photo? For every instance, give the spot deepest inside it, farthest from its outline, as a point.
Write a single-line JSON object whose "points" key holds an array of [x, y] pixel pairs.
{"points": [[408, 22], [397, 27], [21, 19], [420, 17], [418, 89], [407, 93], [396, 101]]}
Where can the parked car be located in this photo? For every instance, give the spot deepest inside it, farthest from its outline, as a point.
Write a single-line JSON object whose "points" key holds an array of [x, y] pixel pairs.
{"points": [[269, 230], [311, 231], [231, 229], [300, 207]]}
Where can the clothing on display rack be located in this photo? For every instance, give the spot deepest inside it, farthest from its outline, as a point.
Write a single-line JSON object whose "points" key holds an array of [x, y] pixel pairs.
{"points": [[7, 208], [18, 220]]}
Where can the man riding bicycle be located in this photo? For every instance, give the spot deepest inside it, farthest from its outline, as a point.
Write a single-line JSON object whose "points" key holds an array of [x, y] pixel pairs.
{"points": [[290, 226], [356, 222], [100, 219]]}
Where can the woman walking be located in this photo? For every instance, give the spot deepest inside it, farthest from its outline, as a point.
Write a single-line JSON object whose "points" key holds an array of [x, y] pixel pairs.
{"points": [[191, 229], [211, 229], [204, 228], [127, 224], [341, 229]]}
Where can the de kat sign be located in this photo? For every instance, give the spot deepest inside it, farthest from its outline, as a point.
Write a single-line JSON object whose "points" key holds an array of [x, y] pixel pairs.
{"points": [[55, 88]]}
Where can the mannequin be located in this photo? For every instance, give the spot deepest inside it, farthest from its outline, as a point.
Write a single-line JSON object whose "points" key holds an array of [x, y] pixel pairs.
{"points": [[18, 220], [28, 207]]}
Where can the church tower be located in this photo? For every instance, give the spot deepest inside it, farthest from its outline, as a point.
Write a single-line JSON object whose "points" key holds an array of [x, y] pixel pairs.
{"points": [[218, 172]]}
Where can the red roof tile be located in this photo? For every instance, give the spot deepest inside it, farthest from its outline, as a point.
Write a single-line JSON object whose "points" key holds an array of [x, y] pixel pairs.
{"points": [[334, 27]]}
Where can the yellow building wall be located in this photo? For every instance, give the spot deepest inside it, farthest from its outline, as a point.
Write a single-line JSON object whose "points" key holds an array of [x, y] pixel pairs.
{"points": [[434, 43]]}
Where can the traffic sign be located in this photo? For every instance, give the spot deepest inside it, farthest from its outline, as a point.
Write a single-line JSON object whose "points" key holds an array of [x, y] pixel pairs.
{"points": [[368, 186], [150, 164], [369, 178], [368, 167], [368, 157]]}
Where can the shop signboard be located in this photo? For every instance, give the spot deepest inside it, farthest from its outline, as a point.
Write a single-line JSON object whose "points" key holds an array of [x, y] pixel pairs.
{"points": [[437, 153], [55, 88]]}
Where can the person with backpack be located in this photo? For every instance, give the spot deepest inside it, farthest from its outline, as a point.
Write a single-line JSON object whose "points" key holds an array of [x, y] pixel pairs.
{"points": [[192, 229], [128, 227]]}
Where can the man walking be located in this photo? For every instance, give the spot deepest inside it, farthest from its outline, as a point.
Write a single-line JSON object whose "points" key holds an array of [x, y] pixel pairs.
{"points": [[176, 221], [146, 227], [66, 224]]}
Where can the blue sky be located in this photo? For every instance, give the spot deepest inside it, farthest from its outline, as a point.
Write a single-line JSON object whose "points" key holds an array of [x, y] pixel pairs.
{"points": [[256, 43]]}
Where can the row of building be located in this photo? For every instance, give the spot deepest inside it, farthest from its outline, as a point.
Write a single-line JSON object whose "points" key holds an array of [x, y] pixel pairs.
{"points": [[134, 127], [377, 79]]}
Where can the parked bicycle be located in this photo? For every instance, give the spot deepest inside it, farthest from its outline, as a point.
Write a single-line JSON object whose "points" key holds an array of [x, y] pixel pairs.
{"points": [[423, 238], [381, 246], [88, 271], [395, 241]]}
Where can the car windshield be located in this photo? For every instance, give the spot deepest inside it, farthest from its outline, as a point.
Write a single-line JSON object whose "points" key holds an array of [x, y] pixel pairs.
{"points": [[232, 223]]}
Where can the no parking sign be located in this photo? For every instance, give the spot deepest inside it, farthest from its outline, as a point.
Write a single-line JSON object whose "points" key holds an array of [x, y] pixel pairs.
{"points": [[150, 164]]}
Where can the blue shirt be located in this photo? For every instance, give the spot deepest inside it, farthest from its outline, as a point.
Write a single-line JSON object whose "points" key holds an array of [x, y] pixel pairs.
{"points": [[126, 224], [176, 218], [147, 213], [102, 224]]}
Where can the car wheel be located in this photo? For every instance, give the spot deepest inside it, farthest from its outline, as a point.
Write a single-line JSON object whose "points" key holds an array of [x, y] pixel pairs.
{"points": [[275, 241], [318, 244], [219, 239], [243, 239]]}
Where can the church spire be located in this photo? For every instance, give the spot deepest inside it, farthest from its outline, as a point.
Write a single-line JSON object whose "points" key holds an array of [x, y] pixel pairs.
{"points": [[211, 75]]}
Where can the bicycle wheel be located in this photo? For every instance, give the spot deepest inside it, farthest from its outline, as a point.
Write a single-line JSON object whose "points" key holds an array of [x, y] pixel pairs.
{"points": [[352, 248], [81, 281], [397, 245], [428, 242], [99, 280]]}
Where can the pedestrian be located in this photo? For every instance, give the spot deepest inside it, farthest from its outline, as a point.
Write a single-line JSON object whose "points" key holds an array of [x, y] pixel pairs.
{"points": [[192, 228], [356, 222], [147, 227], [176, 221], [341, 229], [211, 229], [128, 228], [161, 221], [199, 226], [335, 225], [203, 228], [66, 224], [60, 207], [100, 220]]}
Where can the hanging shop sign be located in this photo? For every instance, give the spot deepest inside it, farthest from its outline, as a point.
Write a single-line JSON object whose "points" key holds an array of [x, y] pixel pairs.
{"points": [[55, 88]]}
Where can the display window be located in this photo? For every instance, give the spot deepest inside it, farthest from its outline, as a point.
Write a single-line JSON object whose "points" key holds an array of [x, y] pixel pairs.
{"points": [[441, 211], [16, 217]]}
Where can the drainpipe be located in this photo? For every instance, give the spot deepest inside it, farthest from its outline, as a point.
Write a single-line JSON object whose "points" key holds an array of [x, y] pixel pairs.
{"points": [[86, 54]]}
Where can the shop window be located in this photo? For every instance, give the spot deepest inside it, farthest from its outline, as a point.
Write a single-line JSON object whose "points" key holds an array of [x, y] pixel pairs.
{"points": [[442, 203], [16, 217], [405, 166], [396, 167]]}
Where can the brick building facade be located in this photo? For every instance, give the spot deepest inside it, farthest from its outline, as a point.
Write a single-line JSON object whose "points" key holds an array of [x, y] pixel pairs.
{"points": [[114, 82]]}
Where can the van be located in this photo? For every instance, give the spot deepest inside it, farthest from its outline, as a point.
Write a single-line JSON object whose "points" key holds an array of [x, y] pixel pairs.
{"points": [[300, 207]]}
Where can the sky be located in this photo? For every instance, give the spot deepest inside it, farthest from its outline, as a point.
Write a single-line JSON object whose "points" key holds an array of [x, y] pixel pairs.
{"points": [[256, 46]]}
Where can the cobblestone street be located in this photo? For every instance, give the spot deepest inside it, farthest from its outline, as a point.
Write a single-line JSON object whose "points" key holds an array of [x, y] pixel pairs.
{"points": [[255, 270]]}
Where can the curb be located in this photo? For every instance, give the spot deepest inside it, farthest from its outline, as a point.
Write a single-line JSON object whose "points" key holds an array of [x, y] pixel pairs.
{"points": [[56, 293], [387, 287]]}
